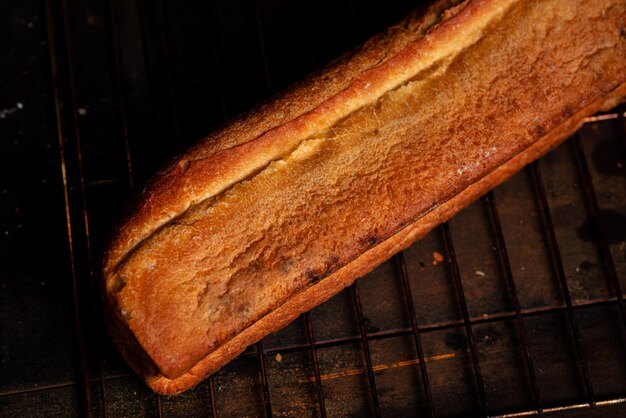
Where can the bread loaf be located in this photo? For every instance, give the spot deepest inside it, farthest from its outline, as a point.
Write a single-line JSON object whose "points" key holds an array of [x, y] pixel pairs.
{"points": [[281, 209]]}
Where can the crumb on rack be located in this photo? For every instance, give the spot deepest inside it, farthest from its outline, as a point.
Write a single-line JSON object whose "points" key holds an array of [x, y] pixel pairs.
{"points": [[437, 258]]}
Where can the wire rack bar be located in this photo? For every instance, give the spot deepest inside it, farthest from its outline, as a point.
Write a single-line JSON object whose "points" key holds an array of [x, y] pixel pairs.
{"points": [[601, 117], [39, 388], [557, 264], [118, 83], [160, 16], [316, 370], [86, 238], [57, 89], [621, 113], [212, 396], [408, 299], [512, 294], [264, 60], [366, 348], [458, 284], [353, 21], [159, 406], [566, 408], [594, 214], [264, 381], [158, 102]]}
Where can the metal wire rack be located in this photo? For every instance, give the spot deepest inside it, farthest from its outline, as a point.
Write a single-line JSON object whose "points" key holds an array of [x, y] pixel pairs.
{"points": [[346, 357]]}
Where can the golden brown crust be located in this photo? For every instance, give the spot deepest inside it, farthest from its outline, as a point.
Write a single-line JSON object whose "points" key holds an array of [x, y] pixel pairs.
{"points": [[345, 185], [265, 132]]}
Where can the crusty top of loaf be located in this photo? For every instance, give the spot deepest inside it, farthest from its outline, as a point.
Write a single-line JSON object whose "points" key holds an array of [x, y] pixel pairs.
{"points": [[269, 216], [269, 131]]}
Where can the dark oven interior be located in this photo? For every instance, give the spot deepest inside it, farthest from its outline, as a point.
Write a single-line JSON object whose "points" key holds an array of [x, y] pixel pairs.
{"points": [[513, 307]]}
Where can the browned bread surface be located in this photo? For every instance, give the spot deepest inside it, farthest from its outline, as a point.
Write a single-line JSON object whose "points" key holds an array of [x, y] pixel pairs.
{"points": [[286, 206]]}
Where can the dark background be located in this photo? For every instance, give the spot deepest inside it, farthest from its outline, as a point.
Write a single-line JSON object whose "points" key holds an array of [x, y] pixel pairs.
{"points": [[96, 95]]}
